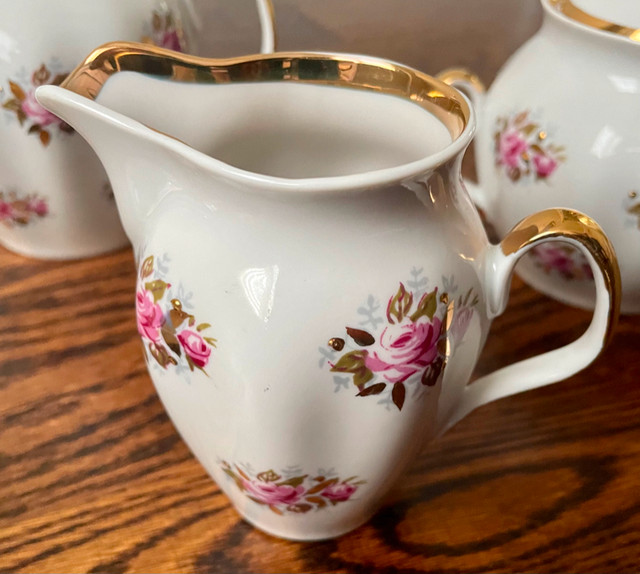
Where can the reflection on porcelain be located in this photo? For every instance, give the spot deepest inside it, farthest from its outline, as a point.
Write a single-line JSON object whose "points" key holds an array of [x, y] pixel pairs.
{"points": [[260, 288], [40, 42], [343, 268], [580, 77]]}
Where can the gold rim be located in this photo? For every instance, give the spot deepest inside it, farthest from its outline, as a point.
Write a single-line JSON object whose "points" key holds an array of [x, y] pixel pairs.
{"points": [[570, 10], [320, 69], [567, 224]]}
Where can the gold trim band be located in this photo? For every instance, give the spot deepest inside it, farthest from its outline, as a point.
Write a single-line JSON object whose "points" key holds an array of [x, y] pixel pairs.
{"points": [[569, 224], [320, 69], [570, 10]]}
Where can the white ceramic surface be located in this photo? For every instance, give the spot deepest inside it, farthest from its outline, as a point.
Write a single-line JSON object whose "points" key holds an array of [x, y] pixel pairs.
{"points": [[55, 198], [298, 301], [579, 87]]}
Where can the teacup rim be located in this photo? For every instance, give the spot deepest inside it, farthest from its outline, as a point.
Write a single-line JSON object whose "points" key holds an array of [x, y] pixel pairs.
{"points": [[569, 12], [91, 75]]}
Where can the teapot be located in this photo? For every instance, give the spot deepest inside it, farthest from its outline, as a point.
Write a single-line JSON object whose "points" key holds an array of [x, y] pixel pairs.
{"points": [[314, 282], [560, 127]]}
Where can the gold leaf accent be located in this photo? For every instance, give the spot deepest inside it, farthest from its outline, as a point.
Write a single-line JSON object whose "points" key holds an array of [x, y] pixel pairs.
{"points": [[45, 137], [17, 91], [157, 289], [147, 267]]}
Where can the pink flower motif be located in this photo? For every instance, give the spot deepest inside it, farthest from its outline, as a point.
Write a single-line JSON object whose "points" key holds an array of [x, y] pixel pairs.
{"points": [[552, 257], [36, 113], [511, 147], [195, 347], [149, 316], [461, 323], [6, 211], [38, 206], [545, 165], [339, 492], [405, 348], [171, 41], [271, 493]]}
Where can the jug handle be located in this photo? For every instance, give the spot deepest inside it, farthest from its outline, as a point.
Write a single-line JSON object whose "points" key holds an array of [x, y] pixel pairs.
{"points": [[472, 87], [582, 232], [266, 15]]}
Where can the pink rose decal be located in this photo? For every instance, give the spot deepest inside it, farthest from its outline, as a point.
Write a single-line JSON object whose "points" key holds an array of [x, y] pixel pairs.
{"points": [[30, 114], [563, 259], [149, 316], [171, 41], [166, 30], [195, 347], [6, 211], [171, 335], [339, 492], [16, 209], [296, 494], [544, 165], [38, 206], [512, 145], [36, 113], [410, 347], [270, 493], [523, 149], [405, 348]]}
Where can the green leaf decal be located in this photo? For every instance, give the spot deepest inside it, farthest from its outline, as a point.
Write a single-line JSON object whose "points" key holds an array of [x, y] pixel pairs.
{"points": [[427, 306], [362, 377], [372, 390], [296, 481], [351, 362], [202, 326], [157, 288], [399, 305]]}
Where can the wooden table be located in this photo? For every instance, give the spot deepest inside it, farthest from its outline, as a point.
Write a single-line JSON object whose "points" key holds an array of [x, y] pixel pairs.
{"points": [[94, 477]]}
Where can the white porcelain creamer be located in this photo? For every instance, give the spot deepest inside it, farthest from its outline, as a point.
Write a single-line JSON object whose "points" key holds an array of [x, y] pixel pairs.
{"points": [[314, 283], [560, 127]]}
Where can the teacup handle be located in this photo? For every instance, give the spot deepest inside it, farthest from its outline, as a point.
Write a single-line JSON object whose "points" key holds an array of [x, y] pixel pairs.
{"points": [[582, 232], [472, 86], [267, 26]]}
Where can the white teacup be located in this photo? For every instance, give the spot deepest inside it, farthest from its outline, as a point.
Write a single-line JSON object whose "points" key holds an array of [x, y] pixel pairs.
{"points": [[315, 285]]}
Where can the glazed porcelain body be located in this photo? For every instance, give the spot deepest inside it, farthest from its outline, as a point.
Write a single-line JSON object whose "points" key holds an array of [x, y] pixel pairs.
{"points": [[560, 127], [55, 198], [312, 301]]}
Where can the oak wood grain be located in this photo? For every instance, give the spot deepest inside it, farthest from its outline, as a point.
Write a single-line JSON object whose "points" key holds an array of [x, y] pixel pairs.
{"points": [[94, 478]]}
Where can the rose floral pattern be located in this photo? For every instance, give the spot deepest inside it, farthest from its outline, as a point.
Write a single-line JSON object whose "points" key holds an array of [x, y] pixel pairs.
{"points": [[31, 115], [18, 209], [169, 334], [522, 149], [565, 260], [166, 31], [299, 493], [412, 345]]}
